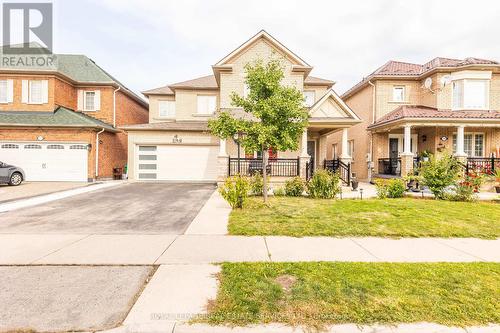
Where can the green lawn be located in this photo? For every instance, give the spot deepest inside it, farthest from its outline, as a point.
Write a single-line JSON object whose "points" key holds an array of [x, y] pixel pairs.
{"points": [[406, 217], [317, 294]]}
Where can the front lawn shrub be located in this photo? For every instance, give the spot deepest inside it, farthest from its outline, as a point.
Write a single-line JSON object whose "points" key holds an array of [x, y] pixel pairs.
{"points": [[440, 173], [235, 191], [257, 184], [466, 188], [390, 188], [279, 192], [294, 187], [324, 185]]}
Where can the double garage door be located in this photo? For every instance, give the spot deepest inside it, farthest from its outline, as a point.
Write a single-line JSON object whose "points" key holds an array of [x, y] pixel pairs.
{"points": [[176, 162], [47, 161]]}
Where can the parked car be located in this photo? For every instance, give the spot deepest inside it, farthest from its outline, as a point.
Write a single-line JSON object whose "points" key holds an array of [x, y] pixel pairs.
{"points": [[10, 174]]}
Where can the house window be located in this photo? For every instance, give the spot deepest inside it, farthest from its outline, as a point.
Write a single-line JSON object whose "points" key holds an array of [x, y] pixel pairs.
{"points": [[89, 101], [35, 92], [309, 97], [207, 104], [470, 94], [473, 144], [335, 153], [4, 91], [166, 109], [398, 94], [350, 148]]}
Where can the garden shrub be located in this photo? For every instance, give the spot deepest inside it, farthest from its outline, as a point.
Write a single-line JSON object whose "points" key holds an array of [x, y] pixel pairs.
{"points": [[294, 187], [324, 185], [390, 188], [440, 173], [279, 192], [257, 184], [235, 191], [466, 188]]}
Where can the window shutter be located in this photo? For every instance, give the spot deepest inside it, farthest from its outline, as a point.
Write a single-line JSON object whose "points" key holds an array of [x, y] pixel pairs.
{"points": [[80, 100], [97, 100], [10, 91], [24, 94], [45, 91]]}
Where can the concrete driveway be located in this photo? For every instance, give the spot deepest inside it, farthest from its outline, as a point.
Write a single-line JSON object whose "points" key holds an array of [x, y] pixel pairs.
{"points": [[131, 208], [31, 189]]}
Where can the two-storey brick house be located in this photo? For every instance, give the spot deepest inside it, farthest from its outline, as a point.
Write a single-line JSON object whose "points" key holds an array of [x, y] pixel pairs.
{"points": [[60, 123], [176, 145], [443, 106]]}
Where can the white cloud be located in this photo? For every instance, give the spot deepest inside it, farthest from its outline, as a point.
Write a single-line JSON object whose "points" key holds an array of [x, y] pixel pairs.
{"points": [[160, 42]]}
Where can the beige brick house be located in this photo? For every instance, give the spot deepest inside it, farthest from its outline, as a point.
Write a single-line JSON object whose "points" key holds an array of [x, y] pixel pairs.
{"points": [[175, 145], [60, 123], [444, 105]]}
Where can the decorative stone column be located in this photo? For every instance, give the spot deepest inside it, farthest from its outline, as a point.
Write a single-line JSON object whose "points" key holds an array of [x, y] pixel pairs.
{"points": [[406, 155], [222, 162], [304, 156], [460, 153], [345, 154]]}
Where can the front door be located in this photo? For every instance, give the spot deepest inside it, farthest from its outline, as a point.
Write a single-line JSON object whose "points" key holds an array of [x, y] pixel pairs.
{"points": [[393, 148]]}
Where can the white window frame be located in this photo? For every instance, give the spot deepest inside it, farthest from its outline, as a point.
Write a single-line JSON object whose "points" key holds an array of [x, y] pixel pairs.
{"points": [[350, 148], [85, 106], [312, 94], [30, 92], [473, 148], [462, 103], [206, 104], [403, 95], [169, 108], [4, 84]]}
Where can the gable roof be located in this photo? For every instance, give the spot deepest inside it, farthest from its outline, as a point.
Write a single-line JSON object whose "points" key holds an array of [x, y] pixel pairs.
{"points": [[61, 117], [265, 35], [405, 69], [332, 94]]}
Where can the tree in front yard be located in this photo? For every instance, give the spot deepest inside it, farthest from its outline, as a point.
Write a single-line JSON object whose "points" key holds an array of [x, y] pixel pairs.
{"points": [[274, 117]]}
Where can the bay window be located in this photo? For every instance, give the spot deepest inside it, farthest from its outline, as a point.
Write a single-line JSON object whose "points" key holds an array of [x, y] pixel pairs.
{"points": [[470, 94]]}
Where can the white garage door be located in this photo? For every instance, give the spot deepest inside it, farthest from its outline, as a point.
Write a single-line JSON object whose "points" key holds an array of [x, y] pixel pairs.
{"points": [[47, 161], [176, 162]]}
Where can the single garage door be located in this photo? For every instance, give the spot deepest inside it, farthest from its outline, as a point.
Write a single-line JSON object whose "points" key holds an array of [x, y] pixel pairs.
{"points": [[47, 161], [176, 162]]}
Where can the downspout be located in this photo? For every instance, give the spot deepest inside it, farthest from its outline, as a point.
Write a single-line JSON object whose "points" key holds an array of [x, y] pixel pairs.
{"points": [[114, 105], [374, 99], [97, 153]]}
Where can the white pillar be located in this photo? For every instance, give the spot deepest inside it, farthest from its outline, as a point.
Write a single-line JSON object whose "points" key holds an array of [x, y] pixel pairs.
{"points": [[304, 144], [345, 147], [460, 141], [222, 147], [407, 140]]}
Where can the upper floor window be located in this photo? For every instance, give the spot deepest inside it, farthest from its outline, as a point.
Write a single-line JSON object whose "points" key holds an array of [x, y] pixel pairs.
{"points": [[309, 97], [35, 91], [89, 100], [398, 94], [166, 109], [207, 104], [470, 94], [6, 91]]}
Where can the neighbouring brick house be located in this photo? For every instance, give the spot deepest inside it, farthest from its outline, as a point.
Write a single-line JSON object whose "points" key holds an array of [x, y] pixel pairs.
{"points": [[61, 123], [443, 106], [176, 145]]}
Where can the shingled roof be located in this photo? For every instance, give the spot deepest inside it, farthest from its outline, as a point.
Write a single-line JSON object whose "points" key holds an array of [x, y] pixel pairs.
{"points": [[415, 112], [397, 68]]}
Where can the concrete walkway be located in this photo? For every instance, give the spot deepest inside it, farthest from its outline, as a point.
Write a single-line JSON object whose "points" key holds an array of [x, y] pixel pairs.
{"points": [[24, 249]]}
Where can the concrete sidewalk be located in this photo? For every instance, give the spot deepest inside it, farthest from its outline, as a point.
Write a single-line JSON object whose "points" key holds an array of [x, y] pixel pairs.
{"points": [[88, 249]]}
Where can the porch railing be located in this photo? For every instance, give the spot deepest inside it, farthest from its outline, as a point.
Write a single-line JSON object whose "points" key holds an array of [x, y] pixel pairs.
{"points": [[482, 165], [389, 166], [278, 167], [343, 169]]}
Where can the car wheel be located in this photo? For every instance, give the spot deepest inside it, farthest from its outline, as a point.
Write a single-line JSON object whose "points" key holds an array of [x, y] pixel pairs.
{"points": [[16, 179]]}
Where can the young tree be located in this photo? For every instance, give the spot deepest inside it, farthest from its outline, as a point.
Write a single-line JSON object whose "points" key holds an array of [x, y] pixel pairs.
{"points": [[275, 116]]}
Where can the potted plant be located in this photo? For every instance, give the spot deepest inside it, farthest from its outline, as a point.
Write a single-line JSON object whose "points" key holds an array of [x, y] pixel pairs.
{"points": [[497, 180], [425, 155]]}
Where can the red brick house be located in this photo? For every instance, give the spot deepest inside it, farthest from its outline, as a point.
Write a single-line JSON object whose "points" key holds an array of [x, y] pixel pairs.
{"points": [[61, 123]]}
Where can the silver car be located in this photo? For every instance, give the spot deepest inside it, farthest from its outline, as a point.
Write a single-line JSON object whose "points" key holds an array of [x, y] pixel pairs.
{"points": [[10, 174]]}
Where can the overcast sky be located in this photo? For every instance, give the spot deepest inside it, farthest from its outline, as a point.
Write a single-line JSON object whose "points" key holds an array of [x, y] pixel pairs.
{"points": [[147, 44]]}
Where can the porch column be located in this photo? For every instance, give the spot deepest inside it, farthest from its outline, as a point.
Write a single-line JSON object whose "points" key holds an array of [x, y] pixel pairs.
{"points": [[222, 162], [304, 156], [406, 155], [345, 155]]}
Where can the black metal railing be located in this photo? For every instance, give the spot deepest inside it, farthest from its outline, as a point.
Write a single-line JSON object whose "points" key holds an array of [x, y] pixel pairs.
{"points": [[389, 166], [278, 167], [343, 169], [482, 165]]}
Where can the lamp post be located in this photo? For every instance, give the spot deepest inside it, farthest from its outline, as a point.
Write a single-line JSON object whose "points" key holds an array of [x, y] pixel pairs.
{"points": [[237, 138]]}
